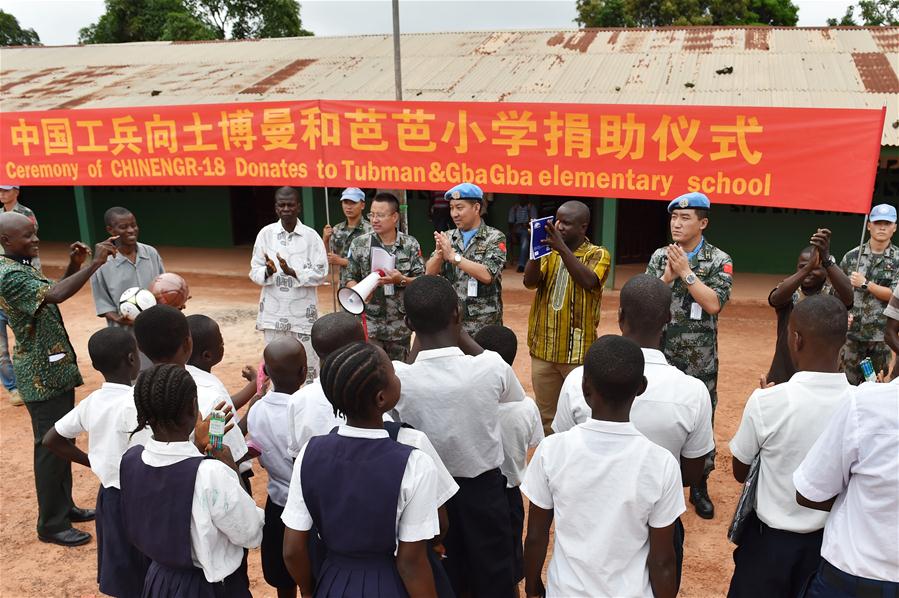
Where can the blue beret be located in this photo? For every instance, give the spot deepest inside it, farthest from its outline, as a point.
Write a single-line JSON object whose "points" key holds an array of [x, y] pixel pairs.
{"points": [[352, 194], [882, 212], [465, 191], [690, 200]]}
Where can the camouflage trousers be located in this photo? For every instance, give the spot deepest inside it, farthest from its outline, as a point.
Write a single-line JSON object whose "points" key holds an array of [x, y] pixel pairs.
{"points": [[854, 352], [396, 350], [711, 382]]}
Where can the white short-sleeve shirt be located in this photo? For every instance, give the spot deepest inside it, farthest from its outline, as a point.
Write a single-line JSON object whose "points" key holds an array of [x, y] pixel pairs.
{"points": [[454, 398], [416, 509], [310, 414], [675, 411], [211, 392], [109, 416], [267, 425], [856, 459], [781, 424], [607, 485], [224, 519], [522, 429]]}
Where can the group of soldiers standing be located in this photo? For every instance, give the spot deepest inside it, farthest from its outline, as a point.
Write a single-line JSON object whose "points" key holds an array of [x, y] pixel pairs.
{"points": [[472, 256]]}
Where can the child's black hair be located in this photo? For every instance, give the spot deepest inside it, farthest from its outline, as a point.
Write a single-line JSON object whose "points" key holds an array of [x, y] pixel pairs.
{"points": [[160, 331], [351, 378], [109, 348], [500, 339], [203, 331], [614, 368], [646, 302], [332, 331], [823, 317], [430, 302], [162, 394]]}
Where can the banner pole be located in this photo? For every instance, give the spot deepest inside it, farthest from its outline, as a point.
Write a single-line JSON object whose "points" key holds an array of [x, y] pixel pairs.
{"points": [[330, 267], [861, 244]]}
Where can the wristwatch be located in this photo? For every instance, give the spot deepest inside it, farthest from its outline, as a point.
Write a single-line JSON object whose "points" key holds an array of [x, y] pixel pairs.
{"points": [[457, 259], [863, 286], [828, 262], [690, 279]]}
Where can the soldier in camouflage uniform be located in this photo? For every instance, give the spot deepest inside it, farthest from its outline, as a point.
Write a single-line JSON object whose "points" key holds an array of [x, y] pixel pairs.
{"points": [[873, 279], [339, 237], [384, 312], [700, 276], [471, 257]]}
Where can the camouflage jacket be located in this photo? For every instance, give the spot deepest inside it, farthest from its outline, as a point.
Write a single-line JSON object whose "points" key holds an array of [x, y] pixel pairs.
{"points": [[868, 321], [384, 313], [487, 247], [342, 236], [691, 344]]}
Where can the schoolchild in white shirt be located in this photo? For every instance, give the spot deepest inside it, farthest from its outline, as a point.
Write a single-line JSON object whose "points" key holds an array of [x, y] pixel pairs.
{"points": [[781, 545], [109, 417], [614, 494], [308, 409], [163, 335], [207, 352], [454, 398], [851, 471], [522, 429], [285, 364], [373, 500], [189, 514]]}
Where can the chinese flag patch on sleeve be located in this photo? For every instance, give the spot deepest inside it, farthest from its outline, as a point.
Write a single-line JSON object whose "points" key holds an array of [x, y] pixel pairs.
{"points": [[728, 269], [502, 247]]}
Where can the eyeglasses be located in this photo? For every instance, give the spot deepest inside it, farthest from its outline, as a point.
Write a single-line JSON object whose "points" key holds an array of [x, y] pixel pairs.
{"points": [[380, 215]]}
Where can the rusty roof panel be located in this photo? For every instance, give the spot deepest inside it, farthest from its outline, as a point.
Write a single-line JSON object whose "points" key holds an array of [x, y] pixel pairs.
{"points": [[876, 72]]}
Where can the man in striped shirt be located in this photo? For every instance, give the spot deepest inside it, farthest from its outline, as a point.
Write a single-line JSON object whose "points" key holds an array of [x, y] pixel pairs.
{"points": [[565, 313]]}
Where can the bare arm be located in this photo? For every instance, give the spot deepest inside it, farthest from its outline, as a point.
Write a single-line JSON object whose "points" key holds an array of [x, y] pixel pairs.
{"points": [[415, 570], [296, 559], [64, 448], [741, 470], [535, 547], [662, 562], [72, 283], [827, 505], [434, 264], [881, 292], [532, 274]]}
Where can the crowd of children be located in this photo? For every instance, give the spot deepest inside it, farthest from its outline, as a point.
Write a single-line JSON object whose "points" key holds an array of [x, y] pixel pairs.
{"points": [[391, 478]]}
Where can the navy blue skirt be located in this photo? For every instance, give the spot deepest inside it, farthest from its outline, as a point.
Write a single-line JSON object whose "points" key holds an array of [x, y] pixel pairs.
{"points": [[166, 582], [121, 567], [374, 576]]}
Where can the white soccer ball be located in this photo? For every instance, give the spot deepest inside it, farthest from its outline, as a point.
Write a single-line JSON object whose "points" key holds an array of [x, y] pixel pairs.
{"points": [[135, 300]]}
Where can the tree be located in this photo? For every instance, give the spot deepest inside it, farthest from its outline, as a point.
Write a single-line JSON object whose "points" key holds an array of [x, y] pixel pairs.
{"points": [[178, 20], [873, 13], [660, 13], [12, 34]]}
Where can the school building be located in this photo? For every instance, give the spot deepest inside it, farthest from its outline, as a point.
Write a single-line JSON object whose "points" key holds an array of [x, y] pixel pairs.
{"points": [[842, 67]]}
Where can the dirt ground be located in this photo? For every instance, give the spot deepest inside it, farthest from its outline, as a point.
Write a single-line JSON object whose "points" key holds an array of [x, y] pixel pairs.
{"points": [[29, 568]]}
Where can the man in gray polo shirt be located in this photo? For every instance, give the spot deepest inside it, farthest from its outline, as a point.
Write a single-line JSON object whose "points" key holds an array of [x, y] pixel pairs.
{"points": [[135, 265]]}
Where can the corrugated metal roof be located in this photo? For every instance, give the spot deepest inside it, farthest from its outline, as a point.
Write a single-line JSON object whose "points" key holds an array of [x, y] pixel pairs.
{"points": [[845, 67]]}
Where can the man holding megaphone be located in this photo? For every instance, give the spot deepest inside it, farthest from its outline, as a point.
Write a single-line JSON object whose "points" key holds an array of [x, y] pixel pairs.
{"points": [[381, 264]]}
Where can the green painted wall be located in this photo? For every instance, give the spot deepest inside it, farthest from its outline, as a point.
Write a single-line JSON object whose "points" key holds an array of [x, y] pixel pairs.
{"points": [[54, 208]]}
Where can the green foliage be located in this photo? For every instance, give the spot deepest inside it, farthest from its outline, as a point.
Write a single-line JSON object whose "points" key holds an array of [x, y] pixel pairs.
{"points": [[872, 13], [661, 13], [180, 20], [12, 34]]}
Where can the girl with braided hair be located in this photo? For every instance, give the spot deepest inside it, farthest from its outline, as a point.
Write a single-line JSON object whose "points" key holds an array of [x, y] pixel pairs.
{"points": [[373, 500], [189, 514]]}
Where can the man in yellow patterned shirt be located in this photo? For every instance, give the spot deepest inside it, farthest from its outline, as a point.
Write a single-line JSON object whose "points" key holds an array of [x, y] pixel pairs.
{"points": [[565, 312]]}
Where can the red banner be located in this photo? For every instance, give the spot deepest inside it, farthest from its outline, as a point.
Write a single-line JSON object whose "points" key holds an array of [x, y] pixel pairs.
{"points": [[822, 159]]}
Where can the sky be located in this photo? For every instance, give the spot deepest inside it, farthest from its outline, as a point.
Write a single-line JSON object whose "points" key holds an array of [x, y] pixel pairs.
{"points": [[58, 21]]}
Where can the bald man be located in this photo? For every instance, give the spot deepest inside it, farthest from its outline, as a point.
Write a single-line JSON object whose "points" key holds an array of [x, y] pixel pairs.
{"points": [[45, 362], [289, 262], [565, 313]]}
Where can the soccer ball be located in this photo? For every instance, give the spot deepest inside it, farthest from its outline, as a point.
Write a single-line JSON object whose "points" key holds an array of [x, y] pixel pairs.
{"points": [[135, 300], [170, 289]]}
